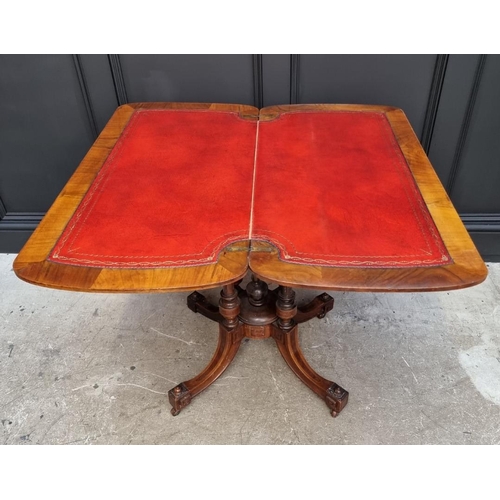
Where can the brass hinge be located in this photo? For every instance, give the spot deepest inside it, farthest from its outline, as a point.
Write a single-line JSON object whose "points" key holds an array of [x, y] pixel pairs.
{"points": [[251, 248]]}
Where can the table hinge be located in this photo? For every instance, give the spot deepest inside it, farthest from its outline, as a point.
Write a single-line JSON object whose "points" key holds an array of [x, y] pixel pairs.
{"points": [[250, 248]]}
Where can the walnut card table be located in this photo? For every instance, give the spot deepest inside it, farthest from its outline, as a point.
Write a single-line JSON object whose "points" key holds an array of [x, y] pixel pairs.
{"points": [[178, 197]]}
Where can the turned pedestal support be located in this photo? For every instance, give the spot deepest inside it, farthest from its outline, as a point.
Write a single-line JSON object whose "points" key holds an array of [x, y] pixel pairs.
{"points": [[259, 313]]}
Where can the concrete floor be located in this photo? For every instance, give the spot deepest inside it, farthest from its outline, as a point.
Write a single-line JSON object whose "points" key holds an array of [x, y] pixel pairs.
{"points": [[421, 368]]}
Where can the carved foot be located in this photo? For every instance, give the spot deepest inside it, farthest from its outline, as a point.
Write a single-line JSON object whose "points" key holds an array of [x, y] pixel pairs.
{"points": [[179, 398], [288, 344], [318, 307], [229, 343], [199, 304], [336, 398]]}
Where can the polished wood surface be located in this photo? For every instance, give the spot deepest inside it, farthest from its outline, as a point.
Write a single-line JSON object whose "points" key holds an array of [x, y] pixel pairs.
{"points": [[467, 269], [32, 265]]}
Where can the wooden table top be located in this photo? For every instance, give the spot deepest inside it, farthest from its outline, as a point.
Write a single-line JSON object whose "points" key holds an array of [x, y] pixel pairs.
{"points": [[444, 255]]}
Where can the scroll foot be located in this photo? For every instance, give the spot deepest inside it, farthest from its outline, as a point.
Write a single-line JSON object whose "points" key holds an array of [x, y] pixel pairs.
{"points": [[179, 398]]}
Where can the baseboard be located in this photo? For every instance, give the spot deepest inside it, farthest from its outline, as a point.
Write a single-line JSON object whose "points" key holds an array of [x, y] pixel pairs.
{"points": [[16, 228]]}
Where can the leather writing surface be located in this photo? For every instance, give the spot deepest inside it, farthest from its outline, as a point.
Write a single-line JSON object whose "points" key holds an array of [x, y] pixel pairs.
{"points": [[326, 188], [334, 189], [175, 190]]}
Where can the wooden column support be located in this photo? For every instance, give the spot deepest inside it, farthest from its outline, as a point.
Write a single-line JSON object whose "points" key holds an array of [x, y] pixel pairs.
{"points": [[286, 308], [259, 313], [229, 306]]}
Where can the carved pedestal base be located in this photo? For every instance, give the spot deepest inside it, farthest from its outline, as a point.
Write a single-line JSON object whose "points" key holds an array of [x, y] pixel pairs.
{"points": [[259, 313]]}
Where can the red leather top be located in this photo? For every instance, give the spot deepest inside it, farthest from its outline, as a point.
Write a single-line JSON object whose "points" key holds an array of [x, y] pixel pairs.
{"points": [[174, 191], [334, 189], [330, 188]]}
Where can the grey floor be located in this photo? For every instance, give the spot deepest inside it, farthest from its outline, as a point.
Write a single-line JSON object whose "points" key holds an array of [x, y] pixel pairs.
{"points": [[78, 368]]}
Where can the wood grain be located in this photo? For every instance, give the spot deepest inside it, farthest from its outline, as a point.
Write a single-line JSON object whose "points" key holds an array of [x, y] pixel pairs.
{"points": [[272, 112], [468, 268], [32, 266]]}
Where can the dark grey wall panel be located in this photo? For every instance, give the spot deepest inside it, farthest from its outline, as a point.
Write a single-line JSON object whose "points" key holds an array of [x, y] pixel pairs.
{"points": [[395, 80], [190, 78], [488, 244], [97, 73], [44, 129], [457, 87], [477, 185], [13, 241], [276, 73]]}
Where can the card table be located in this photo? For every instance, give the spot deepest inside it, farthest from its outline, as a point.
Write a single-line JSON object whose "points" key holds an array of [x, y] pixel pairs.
{"points": [[188, 196]]}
